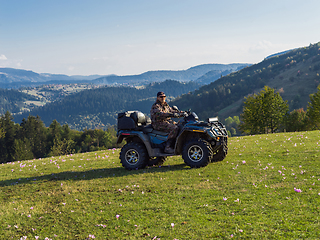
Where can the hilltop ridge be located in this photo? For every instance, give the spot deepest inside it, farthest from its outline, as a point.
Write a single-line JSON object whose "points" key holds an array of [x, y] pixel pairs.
{"points": [[294, 74]]}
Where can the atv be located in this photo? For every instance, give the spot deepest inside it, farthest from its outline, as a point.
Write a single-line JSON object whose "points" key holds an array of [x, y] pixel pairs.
{"points": [[198, 142]]}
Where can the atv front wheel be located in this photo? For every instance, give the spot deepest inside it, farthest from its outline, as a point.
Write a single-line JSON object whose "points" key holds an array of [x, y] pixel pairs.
{"points": [[220, 154], [134, 155], [196, 153]]}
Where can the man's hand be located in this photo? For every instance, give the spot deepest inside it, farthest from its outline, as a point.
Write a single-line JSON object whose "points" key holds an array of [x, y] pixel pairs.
{"points": [[176, 115]]}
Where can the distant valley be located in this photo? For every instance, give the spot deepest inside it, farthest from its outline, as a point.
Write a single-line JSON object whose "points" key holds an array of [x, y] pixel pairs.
{"points": [[38, 90]]}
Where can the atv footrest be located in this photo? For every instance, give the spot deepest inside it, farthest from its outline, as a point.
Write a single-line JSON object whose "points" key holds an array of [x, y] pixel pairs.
{"points": [[157, 152]]}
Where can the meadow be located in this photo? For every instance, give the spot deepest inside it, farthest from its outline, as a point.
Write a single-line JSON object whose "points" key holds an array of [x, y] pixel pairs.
{"points": [[268, 187]]}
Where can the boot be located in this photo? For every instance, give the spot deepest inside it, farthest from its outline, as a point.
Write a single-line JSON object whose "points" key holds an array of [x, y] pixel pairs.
{"points": [[168, 148]]}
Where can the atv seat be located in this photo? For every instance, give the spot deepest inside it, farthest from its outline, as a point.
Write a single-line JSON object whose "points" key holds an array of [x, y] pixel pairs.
{"points": [[149, 129], [132, 120]]}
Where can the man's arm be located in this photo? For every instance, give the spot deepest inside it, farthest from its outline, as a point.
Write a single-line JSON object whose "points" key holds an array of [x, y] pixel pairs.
{"points": [[158, 114]]}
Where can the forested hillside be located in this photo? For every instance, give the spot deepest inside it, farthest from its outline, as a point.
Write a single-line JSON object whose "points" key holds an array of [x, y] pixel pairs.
{"points": [[294, 75], [13, 100], [98, 108]]}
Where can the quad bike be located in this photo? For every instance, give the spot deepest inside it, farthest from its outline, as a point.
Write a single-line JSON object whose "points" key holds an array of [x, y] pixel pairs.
{"points": [[198, 142]]}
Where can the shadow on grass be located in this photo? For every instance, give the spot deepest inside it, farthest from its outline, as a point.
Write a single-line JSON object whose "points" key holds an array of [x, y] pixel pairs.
{"points": [[93, 174]]}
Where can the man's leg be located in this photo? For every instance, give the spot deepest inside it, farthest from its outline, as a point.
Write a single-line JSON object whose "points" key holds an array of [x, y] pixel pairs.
{"points": [[170, 128], [171, 138]]}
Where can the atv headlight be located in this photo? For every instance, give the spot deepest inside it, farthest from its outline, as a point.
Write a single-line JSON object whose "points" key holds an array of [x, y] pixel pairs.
{"points": [[213, 119]]}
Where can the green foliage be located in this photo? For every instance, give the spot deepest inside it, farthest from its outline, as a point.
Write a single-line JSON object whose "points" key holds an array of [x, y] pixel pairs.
{"points": [[313, 109], [232, 125], [7, 150], [22, 150], [263, 112], [296, 121]]}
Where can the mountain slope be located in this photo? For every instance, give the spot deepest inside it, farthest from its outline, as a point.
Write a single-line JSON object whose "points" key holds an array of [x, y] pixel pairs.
{"points": [[13, 100], [294, 74]]}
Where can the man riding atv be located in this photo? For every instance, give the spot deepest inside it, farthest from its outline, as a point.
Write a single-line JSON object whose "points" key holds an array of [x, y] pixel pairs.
{"points": [[161, 114], [198, 142]]}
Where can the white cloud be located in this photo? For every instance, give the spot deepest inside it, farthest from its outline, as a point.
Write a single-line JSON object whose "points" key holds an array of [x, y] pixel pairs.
{"points": [[3, 57]]}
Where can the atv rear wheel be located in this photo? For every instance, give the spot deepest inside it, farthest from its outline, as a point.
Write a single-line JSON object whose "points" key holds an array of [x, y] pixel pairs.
{"points": [[134, 155], [156, 161], [196, 153]]}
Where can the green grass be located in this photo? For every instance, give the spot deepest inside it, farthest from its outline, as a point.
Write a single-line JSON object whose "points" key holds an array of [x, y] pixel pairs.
{"points": [[249, 195]]}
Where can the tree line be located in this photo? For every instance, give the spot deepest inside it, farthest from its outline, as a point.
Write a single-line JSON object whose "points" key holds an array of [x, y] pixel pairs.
{"points": [[267, 112], [31, 139]]}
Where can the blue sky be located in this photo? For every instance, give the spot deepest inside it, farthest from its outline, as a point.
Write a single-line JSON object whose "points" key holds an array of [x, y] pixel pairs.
{"points": [[82, 37]]}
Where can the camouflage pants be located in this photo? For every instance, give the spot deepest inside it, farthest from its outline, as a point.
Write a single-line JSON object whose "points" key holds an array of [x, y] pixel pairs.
{"points": [[168, 127]]}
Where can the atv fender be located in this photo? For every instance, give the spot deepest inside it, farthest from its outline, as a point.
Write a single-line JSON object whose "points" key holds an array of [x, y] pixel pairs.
{"points": [[143, 138]]}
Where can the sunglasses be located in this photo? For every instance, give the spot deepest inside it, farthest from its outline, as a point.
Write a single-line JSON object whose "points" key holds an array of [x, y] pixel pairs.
{"points": [[162, 96]]}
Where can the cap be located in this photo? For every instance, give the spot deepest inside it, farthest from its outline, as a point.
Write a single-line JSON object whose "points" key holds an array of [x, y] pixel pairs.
{"points": [[160, 94]]}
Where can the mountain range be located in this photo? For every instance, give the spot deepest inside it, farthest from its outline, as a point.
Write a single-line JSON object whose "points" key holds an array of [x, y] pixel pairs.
{"points": [[16, 78], [294, 74]]}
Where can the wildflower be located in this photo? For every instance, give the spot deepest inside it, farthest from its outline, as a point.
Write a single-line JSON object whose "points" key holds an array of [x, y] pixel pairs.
{"points": [[297, 190], [172, 224], [225, 199], [243, 162], [117, 216], [237, 200]]}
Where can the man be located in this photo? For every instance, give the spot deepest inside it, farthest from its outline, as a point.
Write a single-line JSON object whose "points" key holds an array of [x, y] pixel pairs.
{"points": [[161, 114]]}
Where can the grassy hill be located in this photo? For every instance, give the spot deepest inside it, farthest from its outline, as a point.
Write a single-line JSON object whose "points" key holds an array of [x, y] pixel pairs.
{"points": [[268, 187], [295, 74]]}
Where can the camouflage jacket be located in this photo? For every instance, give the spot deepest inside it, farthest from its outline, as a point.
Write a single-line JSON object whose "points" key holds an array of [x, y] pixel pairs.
{"points": [[161, 112]]}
